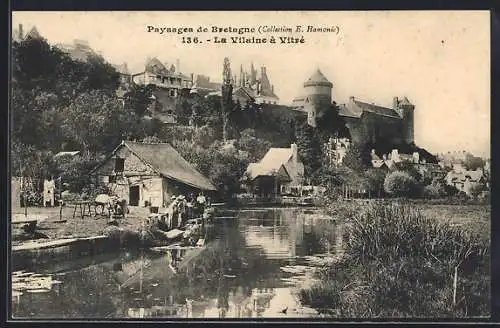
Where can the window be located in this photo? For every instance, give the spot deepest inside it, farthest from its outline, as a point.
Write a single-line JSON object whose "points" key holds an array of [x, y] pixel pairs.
{"points": [[119, 164], [112, 179], [172, 93]]}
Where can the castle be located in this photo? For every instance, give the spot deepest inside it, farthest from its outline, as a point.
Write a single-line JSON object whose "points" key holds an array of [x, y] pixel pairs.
{"points": [[249, 87], [367, 123]]}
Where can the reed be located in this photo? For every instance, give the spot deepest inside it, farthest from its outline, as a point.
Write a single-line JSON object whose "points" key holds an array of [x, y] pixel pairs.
{"points": [[400, 263]]}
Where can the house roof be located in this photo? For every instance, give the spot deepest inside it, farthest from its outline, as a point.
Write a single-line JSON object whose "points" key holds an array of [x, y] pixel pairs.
{"points": [[33, 34], [405, 102], [374, 157], [155, 66], [255, 170], [355, 108], [203, 82], [267, 93], [166, 161], [270, 163], [244, 92], [79, 50], [379, 164], [474, 176]]}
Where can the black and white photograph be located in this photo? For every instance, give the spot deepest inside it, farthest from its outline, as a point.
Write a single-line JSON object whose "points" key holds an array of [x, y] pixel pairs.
{"points": [[209, 165]]}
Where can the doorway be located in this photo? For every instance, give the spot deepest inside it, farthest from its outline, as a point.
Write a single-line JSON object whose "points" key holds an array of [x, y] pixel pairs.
{"points": [[134, 196]]}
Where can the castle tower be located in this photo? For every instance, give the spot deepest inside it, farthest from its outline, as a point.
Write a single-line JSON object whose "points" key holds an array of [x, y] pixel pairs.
{"points": [[405, 109], [318, 91]]}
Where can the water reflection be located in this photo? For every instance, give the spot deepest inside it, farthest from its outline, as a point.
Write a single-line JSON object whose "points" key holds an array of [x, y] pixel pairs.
{"points": [[251, 269]]}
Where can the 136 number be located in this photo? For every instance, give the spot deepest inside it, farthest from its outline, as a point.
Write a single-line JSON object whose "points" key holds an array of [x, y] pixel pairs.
{"points": [[188, 39]]}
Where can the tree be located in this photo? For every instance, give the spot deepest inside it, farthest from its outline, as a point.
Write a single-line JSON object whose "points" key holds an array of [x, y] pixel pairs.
{"points": [[309, 148], [414, 173], [225, 168], [433, 191], [255, 147], [73, 171], [227, 98], [106, 122], [151, 139], [375, 181], [330, 123], [473, 163], [357, 157], [28, 161], [204, 136], [476, 189], [139, 98], [400, 184], [45, 82]]}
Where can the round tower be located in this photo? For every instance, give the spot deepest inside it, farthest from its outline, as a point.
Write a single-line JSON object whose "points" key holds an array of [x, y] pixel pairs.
{"points": [[406, 110], [318, 96]]}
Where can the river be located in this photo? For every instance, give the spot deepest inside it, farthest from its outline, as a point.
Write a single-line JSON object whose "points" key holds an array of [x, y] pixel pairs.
{"points": [[253, 267]]}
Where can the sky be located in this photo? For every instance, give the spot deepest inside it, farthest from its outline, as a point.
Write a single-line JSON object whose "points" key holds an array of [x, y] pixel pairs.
{"points": [[440, 60]]}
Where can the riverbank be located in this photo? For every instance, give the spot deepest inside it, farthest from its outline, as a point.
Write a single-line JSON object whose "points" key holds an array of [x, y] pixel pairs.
{"points": [[64, 237], [404, 260], [55, 226]]}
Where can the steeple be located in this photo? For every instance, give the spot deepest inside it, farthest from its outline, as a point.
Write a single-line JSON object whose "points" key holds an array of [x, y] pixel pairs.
{"points": [[242, 77], [253, 74]]}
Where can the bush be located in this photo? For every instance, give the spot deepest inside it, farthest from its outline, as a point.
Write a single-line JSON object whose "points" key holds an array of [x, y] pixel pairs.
{"points": [[433, 192], [398, 263], [401, 184]]}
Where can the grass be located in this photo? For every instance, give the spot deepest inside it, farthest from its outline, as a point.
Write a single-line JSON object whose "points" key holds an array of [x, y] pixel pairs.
{"points": [[400, 261]]}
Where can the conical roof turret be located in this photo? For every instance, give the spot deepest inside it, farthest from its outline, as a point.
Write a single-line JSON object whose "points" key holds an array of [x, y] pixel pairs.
{"points": [[318, 79]]}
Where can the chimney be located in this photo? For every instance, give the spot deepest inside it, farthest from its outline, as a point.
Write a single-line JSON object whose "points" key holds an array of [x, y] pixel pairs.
{"points": [[351, 99], [263, 71], [295, 152], [178, 66], [21, 33], [395, 102]]}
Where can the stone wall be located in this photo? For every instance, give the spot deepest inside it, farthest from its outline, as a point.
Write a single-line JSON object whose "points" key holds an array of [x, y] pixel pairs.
{"points": [[375, 129], [132, 165]]}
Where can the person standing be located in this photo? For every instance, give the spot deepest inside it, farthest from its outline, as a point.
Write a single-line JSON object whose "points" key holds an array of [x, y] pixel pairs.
{"points": [[49, 188], [201, 203]]}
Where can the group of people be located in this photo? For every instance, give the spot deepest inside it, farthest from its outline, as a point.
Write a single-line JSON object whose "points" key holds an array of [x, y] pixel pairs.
{"points": [[181, 209], [181, 213]]}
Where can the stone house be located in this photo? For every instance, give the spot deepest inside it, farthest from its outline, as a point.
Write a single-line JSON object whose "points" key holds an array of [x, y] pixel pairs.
{"points": [[278, 172], [466, 181], [148, 174], [170, 79]]}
